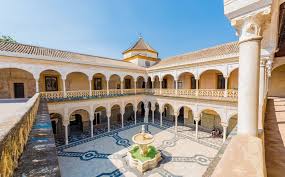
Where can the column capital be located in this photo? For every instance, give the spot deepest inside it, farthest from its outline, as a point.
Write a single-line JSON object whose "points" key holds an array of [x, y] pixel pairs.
{"points": [[251, 26], [65, 122]]}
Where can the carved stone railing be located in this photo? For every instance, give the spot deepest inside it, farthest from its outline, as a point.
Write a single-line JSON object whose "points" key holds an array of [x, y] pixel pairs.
{"points": [[115, 91], [186, 92], [167, 91], [211, 93], [218, 94], [128, 91], [99, 93], [81, 93], [52, 95], [14, 135]]}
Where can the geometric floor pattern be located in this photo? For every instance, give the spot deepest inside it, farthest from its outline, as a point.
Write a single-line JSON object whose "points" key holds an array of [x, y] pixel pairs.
{"points": [[105, 154]]}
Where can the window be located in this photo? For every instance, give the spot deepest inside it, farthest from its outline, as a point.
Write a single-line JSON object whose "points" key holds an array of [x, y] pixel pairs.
{"points": [[193, 82], [221, 82], [147, 63], [98, 84], [51, 83]]}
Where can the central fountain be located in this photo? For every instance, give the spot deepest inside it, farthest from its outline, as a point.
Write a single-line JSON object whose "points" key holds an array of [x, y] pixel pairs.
{"points": [[142, 155]]}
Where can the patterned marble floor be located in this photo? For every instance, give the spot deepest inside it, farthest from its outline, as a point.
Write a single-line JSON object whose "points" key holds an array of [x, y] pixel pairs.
{"points": [[105, 154]]}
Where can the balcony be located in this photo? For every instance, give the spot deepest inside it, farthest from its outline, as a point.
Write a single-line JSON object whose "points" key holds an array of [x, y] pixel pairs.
{"points": [[211, 94]]}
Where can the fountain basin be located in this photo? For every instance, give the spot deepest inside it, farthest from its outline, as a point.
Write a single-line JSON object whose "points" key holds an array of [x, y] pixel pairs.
{"points": [[143, 162]]}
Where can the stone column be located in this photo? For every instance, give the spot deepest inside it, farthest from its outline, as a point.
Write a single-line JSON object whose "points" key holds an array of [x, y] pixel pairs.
{"points": [[37, 85], [65, 124], [108, 119], [226, 87], [197, 126], [107, 85], [197, 87], [91, 123], [122, 87], [160, 113], [146, 114], [64, 88], [122, 118], [248, 87], [135, 87], [261, 94], [90, 87], [176, 120], [224, 132], [160, 87], [135, 115], [153, 115], [176, 87]]}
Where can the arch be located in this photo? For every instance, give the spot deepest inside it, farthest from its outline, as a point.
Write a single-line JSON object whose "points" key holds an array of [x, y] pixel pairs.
{"points": [[57, 124], [186, 80], [99, 81], [211, 79], [71, 110], [116, 116], [140, 111], [149, 83], [16, 83], [210, 119], [79, 122], [115, 82], [140, 82], [276, 85], [100, 116], [232, 123], [233, 79], [77, 81], [50, 80], [156, 81], [129, 113], [168, 81], [129, 82], [185, 115], [211, 68]]}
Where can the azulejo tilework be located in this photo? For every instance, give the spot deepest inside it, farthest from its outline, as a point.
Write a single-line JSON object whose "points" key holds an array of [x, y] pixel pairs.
{"points": [[105, 154]]}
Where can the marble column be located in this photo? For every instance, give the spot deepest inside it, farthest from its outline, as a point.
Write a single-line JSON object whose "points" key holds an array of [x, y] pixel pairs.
{"points": [[64, 88], [65, 124], [161, 111], [160, 87], [176, 87], [153, 109], [135, 115], [225, 132], [122, 87], [135, 87], [90, 87], [197, 126], [91, 123], [226, 87], [248, 87], [107, 85], [37, 86], [146, 114], [261, 93], [122, 118], [176, 121]]}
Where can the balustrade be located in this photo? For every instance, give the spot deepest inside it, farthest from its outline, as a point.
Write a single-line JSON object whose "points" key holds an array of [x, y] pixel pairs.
{"points": [[190, 93]]}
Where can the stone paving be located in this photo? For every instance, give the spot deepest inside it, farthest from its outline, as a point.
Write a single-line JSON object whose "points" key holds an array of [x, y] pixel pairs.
{"points": [[105, 154]]}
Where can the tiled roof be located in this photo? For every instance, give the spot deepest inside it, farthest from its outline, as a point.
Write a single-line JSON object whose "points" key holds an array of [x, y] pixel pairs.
{"points": [[216, 52], [140, 45], [24, 50]]}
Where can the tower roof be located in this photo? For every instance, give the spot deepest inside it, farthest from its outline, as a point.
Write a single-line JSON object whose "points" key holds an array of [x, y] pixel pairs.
{"points": [[140, 45]]}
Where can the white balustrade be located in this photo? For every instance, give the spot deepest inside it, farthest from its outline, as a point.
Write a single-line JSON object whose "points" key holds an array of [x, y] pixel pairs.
{"points": [[232, 93], [77, 93], [52, 95], [114, 91], [99, 92], [211, 92]]}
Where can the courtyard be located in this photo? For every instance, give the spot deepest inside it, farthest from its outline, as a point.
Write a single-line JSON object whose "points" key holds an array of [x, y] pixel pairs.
{"points": [[105, 153]]}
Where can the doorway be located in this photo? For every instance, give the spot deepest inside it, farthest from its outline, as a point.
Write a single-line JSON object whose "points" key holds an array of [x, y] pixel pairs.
{"points": [[19, 91]]}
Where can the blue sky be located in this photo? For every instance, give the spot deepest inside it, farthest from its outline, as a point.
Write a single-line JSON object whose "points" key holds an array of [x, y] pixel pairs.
{"points": [[107, 27]]}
